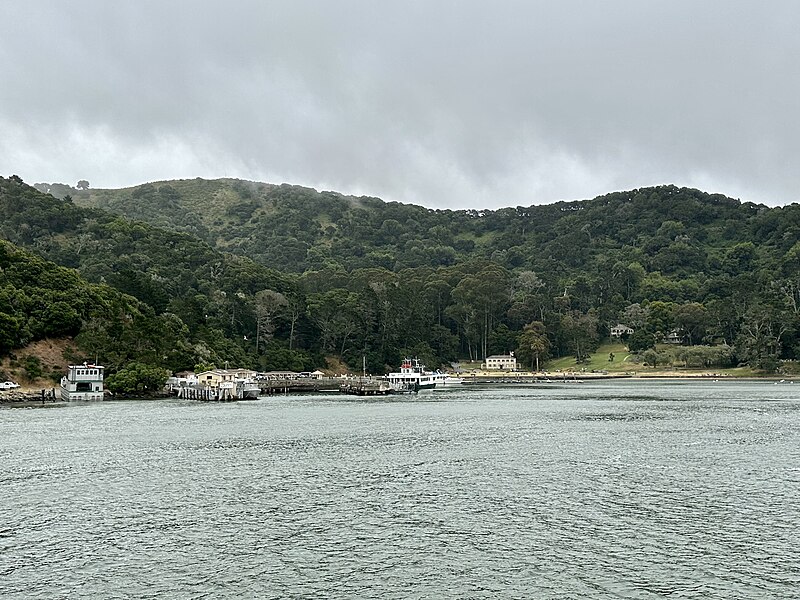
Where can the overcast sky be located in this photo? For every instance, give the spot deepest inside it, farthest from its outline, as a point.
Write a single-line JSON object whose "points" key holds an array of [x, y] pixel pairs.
{"points": [[448, 104]]}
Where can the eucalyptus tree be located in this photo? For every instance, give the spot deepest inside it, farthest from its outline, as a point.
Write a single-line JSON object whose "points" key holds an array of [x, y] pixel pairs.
{"points": [[534, 345], [480, 299], [759, 339], [579, 331], [691, 319], [335, 312], [267, 305]]}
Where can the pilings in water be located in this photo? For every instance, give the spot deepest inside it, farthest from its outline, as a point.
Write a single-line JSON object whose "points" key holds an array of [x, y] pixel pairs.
{"points": [[270, 387], [273, 387], [205, 394]]}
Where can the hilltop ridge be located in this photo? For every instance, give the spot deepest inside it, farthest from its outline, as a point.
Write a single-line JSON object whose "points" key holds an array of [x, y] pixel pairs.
{"points": [[294, 228]]}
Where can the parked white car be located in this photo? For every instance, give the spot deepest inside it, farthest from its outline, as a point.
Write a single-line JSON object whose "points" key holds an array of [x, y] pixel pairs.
{"points": [[8, 385]]}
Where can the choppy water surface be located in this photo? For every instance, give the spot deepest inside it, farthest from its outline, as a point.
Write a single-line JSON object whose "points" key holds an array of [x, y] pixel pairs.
{"points": [[612, 490]]}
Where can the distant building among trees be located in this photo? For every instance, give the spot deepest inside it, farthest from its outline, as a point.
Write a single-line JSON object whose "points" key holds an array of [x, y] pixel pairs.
{"points": [[619, 330]]}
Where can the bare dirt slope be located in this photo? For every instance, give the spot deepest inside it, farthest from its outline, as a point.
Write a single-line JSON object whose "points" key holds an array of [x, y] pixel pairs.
{"points": [[52, 361]]}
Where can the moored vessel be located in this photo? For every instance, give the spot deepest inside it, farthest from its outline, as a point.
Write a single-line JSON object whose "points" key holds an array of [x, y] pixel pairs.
{"points": [[452, 381], [248, 390], [412, 375], [83, 383]]}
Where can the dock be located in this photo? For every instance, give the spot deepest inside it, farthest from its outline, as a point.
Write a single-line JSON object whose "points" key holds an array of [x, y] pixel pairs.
{"points": [[367, 388]]}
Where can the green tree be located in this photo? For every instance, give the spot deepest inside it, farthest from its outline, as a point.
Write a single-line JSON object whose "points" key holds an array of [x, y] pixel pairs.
{"points": [[502, 340], [136, 378], [335, 313], [268, 304], [484, 296], [580, 331], [691, 319], [533, 344], [759, 339], [635, 316], [9, 333], [660, 318], [641, 340], [654, 358]]}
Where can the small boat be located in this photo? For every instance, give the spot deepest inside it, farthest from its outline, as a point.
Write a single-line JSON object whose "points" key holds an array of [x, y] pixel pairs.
{"points": [[412, 375], [248, 390], [451, 381]]}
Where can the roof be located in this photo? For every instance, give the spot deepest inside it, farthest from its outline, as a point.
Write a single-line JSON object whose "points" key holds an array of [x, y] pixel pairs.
{"points": [[506, 356], [227, 371]]}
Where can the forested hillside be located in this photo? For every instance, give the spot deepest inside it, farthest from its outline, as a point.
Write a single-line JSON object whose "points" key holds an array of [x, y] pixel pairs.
{"points": [[280, 276], [675, 231], [191, 286], [40, 300]]}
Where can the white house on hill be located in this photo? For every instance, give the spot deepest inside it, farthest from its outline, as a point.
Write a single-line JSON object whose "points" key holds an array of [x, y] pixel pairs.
{"points": [[619, 330]]}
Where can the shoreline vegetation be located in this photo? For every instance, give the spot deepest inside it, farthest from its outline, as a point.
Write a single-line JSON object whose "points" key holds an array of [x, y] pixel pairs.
{"points": [[31, 396], [611, 362], [190, 275]]}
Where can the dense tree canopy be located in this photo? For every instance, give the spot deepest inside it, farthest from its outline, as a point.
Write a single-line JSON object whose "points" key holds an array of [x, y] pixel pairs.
{"points": [[262, 275]]}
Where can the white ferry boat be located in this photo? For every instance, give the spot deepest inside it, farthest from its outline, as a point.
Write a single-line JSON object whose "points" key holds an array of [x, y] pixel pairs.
{"points": [[413, 376]]}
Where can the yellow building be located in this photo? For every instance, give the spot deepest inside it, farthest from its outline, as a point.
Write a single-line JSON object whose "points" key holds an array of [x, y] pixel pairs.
{"points": [[216, 377]]}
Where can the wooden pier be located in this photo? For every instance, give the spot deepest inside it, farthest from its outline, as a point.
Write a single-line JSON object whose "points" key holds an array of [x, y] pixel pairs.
{"points": [[273, 387], [277, 387], [366, 388]]}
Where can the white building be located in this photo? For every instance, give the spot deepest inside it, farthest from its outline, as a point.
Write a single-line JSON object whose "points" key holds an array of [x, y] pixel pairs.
{"points": [[185, 379], [619, 330], [83, 383], [501, 362]]}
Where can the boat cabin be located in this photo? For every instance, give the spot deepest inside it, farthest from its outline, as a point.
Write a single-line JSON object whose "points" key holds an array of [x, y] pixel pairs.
{"points": [[83, 383]]}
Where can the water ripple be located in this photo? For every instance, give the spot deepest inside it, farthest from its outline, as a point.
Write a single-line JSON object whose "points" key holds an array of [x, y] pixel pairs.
{"points": [[636, 490]]}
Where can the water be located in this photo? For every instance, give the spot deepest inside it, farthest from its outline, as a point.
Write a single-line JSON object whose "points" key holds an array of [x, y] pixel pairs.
{"points": [[607, 490]]}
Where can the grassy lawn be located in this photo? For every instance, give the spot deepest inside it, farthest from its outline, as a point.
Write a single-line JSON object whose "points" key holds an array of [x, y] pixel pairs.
{"points": [[598, 361], [623, 363]]}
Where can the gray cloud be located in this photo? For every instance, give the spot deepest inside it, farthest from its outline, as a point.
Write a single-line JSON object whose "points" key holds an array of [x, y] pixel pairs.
{"points": [[445, 104]]}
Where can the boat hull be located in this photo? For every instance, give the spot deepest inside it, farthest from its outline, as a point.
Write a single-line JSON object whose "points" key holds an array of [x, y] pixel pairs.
{"points": [[72, 396]]}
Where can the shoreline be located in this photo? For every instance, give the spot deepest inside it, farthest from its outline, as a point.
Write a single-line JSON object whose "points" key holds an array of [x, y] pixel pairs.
{"points": [[555, 377], [32, 397]]}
